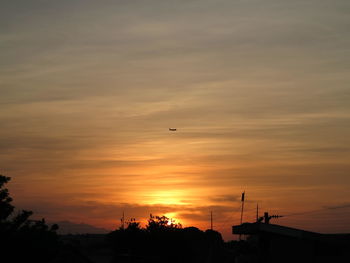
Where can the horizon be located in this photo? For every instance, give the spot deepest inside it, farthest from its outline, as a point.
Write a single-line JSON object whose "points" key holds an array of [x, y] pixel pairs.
{"points": [[258, 94]]}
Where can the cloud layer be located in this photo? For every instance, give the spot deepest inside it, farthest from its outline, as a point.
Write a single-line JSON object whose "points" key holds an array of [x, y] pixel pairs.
{"points": [[258, 90]]}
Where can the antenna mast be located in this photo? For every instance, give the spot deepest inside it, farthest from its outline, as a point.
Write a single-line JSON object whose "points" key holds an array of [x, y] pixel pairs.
{"points": [[242, 200], [123, 220]]}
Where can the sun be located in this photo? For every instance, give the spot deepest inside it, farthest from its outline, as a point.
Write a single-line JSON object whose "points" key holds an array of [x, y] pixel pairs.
{"points": [[172, 218]]}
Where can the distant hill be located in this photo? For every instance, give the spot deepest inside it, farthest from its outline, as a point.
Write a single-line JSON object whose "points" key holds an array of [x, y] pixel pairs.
{"points": [[67, 227]]}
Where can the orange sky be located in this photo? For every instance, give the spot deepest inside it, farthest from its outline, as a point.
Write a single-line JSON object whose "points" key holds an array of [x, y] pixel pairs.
{"points": [[259, 93]]}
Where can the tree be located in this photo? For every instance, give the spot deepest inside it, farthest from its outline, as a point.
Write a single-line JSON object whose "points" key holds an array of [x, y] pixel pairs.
{"points": [[156, 223], [6, 208], [133, 225], [22, 239]]}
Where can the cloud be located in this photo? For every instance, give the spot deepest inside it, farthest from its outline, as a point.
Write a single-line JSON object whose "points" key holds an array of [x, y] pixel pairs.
{"points": [[258, 91], [225, 199], [106, 212], [340, 206]]}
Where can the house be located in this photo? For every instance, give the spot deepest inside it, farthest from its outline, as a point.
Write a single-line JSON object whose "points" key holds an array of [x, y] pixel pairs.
{"points": [[276, 243]]}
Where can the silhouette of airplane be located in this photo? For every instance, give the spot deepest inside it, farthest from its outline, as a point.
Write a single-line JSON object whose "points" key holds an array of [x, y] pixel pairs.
{"points": [[172, 129]]}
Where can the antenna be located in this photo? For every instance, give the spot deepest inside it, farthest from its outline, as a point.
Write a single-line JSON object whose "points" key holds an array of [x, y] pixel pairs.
{"points": [[267, 218], [242, 200], [123, 220]]}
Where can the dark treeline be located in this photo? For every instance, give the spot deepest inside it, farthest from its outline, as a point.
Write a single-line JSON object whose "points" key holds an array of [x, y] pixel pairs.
{"points": [[25, 240], [22, 239], [161, 240]]}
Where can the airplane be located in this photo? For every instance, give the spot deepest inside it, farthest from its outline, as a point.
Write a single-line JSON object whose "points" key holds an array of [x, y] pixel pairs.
{"points": [[172, 129]]}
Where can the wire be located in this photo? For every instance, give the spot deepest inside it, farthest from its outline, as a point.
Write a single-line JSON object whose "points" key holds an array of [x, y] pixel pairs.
{"points": [[317, 210]]}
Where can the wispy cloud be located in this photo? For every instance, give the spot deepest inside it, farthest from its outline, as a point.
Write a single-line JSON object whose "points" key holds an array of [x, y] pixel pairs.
{"points": [[258, 91]]}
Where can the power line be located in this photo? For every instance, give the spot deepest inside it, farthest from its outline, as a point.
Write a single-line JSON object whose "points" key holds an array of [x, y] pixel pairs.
{"points": [[317, 210]]}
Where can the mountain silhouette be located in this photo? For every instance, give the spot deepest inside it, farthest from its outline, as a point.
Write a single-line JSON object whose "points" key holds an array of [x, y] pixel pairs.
{"points": [[68, 227]]}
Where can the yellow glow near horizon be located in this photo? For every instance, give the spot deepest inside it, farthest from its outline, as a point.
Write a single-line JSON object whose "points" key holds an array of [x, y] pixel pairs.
{"points": [[169, 197]]}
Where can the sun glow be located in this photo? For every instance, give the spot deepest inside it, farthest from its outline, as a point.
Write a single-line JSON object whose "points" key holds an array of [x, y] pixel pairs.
{"points": [[172, 219], [171, 197]]}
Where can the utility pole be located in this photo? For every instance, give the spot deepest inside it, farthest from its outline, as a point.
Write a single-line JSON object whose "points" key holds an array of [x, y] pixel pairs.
{"points": [[211, 220], [257, 212]]}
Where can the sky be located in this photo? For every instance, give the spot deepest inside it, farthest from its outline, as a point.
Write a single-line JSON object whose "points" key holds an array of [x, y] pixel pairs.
{"points": [[257, 89]]}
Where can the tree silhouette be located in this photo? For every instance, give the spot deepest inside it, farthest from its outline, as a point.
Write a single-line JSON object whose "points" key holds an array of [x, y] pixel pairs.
{"points": [[133, 225], [156, 223], [163, 240], [6, 208], [22, 239]]}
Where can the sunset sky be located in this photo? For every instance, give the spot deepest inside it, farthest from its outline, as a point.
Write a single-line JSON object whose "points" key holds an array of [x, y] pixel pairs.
{"points": [[257, 89]]}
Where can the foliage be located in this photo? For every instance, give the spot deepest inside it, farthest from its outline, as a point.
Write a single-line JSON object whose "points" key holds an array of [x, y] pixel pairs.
{"points": [[156, 223], [133, 225], [6, 208], [163, 240], [22, 239]]}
